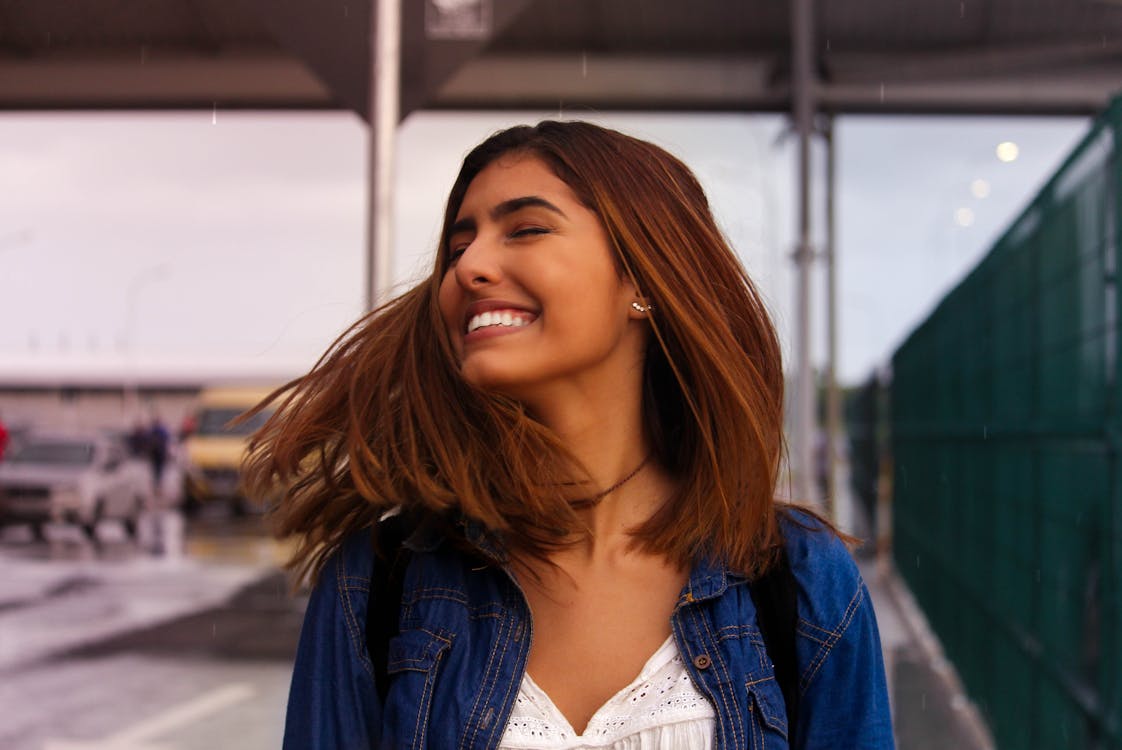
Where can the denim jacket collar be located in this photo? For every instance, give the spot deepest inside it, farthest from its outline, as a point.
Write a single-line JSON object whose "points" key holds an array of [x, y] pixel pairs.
{"points": [[708, 580]]}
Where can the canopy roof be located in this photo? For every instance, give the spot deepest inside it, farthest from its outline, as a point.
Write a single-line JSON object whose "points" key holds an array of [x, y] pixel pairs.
{"points": [[885, 56]]}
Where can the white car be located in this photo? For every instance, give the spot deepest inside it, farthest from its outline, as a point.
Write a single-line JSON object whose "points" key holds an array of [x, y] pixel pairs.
{"points": [[79, 480]]}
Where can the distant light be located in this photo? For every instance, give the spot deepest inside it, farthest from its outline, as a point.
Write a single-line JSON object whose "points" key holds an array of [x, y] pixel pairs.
{"points": [[980, 188], [964, 217], [1007, 151]]}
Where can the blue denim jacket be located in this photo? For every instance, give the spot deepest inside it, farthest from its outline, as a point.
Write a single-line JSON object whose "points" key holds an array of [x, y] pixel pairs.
{"points": [[465, 635]]}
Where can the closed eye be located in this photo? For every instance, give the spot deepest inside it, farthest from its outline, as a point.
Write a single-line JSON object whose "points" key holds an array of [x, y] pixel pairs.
{"points": [[529, 232]]}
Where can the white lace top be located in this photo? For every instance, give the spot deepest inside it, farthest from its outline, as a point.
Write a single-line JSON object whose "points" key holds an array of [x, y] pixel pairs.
{"points": [[660, 710]]}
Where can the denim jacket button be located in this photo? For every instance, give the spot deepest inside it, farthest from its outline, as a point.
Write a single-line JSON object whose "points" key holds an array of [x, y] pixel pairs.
{"points": [[701, 661]]}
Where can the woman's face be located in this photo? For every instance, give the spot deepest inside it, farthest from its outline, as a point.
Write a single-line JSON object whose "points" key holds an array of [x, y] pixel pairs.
{"points": [[532, 298]]}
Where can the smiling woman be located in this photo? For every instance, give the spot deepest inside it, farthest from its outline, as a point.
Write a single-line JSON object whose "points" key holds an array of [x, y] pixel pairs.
{"points": [[575, 423], [532, 296]]}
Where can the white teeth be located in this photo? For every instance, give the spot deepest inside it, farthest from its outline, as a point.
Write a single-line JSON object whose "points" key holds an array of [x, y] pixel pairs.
{"points": [[507, 318]]}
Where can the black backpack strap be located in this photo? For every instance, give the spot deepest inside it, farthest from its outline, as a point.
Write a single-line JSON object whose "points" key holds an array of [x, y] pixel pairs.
{"points": [[775, 595], [384, 606]]}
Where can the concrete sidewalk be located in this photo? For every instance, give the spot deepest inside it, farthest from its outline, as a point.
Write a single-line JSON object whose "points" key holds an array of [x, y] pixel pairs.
{"points": [[930, 709], [82, 596]]}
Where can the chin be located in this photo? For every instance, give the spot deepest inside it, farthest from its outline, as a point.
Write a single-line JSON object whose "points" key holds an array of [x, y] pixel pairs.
{"points": [[494, 379]]}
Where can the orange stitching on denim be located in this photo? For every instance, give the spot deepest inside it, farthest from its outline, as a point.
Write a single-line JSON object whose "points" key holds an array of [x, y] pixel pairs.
{"points": [[737, 631], [820, 657], [810, 624], [773, 720], [811, 637], [487, 670], [420, 727], [756, 731], [351, 622], [416, 595], [401, 661], [510, 684], [716, 658]]}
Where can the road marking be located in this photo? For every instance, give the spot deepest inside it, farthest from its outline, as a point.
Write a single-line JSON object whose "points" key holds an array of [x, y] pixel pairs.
{"points": [[138, 736]]}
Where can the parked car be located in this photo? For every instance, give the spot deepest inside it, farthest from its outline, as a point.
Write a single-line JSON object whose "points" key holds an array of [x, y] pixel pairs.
{"points": [[71, 479], [214, 448]]}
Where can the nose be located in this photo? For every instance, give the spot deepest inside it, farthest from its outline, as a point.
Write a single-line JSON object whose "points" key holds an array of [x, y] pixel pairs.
{"points": [[479, 265]]}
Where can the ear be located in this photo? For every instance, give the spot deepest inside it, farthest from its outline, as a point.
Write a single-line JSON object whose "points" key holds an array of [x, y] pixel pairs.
{"points": [[640, 308]]}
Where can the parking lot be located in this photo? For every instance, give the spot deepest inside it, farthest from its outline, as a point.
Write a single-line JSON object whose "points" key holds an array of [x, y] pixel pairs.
{"points": [[104, 644]]}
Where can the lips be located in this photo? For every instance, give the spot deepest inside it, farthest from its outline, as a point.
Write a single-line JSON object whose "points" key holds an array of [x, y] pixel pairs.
{"points": [[504, 318], [496, 315]]}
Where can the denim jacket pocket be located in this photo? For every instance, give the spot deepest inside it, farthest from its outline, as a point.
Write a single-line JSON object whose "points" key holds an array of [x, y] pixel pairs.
{"points": [[412, 664], [768, 715]]}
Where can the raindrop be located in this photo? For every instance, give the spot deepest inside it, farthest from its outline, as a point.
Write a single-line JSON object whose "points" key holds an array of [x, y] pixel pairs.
{"points": [[584, 65], [985, 432], [917, 561], [882, 93], [962, 10], [214, 115], [214, 630], [828, 43], [923, 701], [346, 12]]}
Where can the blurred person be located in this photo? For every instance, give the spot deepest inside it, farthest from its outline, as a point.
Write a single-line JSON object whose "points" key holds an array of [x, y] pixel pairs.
{"points": [[137, 440], [157, 447], [575, 422]]}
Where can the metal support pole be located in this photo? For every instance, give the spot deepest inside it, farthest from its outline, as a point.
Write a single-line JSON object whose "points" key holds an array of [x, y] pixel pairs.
{"points": [[802, 96], [833, 397], [383, 103]]}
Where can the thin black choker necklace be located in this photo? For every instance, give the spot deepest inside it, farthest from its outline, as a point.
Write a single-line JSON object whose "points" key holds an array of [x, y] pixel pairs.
{"points": [[595, 499]]}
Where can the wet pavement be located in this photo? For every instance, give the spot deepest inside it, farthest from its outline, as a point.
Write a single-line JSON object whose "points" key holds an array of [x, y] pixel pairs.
{"points": [[104, 646], [930, 710]]}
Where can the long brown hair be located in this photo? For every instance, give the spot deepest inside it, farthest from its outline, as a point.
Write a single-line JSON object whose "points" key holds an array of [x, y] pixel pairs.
{"points": [[384, 420]]}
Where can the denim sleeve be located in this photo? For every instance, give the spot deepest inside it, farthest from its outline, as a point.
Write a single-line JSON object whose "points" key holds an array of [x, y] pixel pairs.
{"points": [[844, 695], [332, 703]]}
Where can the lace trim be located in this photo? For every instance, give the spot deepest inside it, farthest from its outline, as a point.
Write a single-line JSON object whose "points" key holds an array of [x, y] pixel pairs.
{"points": [[661, 705]]}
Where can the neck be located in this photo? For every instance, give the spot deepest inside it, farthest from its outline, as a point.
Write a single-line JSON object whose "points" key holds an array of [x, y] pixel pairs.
{"points": [[609, 441], [600, 422]]}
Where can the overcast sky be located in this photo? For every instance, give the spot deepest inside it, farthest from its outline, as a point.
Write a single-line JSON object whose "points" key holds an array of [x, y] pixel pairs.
{"points": [[233, 243]]}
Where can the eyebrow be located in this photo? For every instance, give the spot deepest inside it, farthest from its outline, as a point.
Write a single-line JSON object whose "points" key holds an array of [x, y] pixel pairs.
{"points": [[507, 208]]}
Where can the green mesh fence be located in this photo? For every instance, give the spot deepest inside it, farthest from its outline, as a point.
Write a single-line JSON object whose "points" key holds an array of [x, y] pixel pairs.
{"points": [[1006, 444]]}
